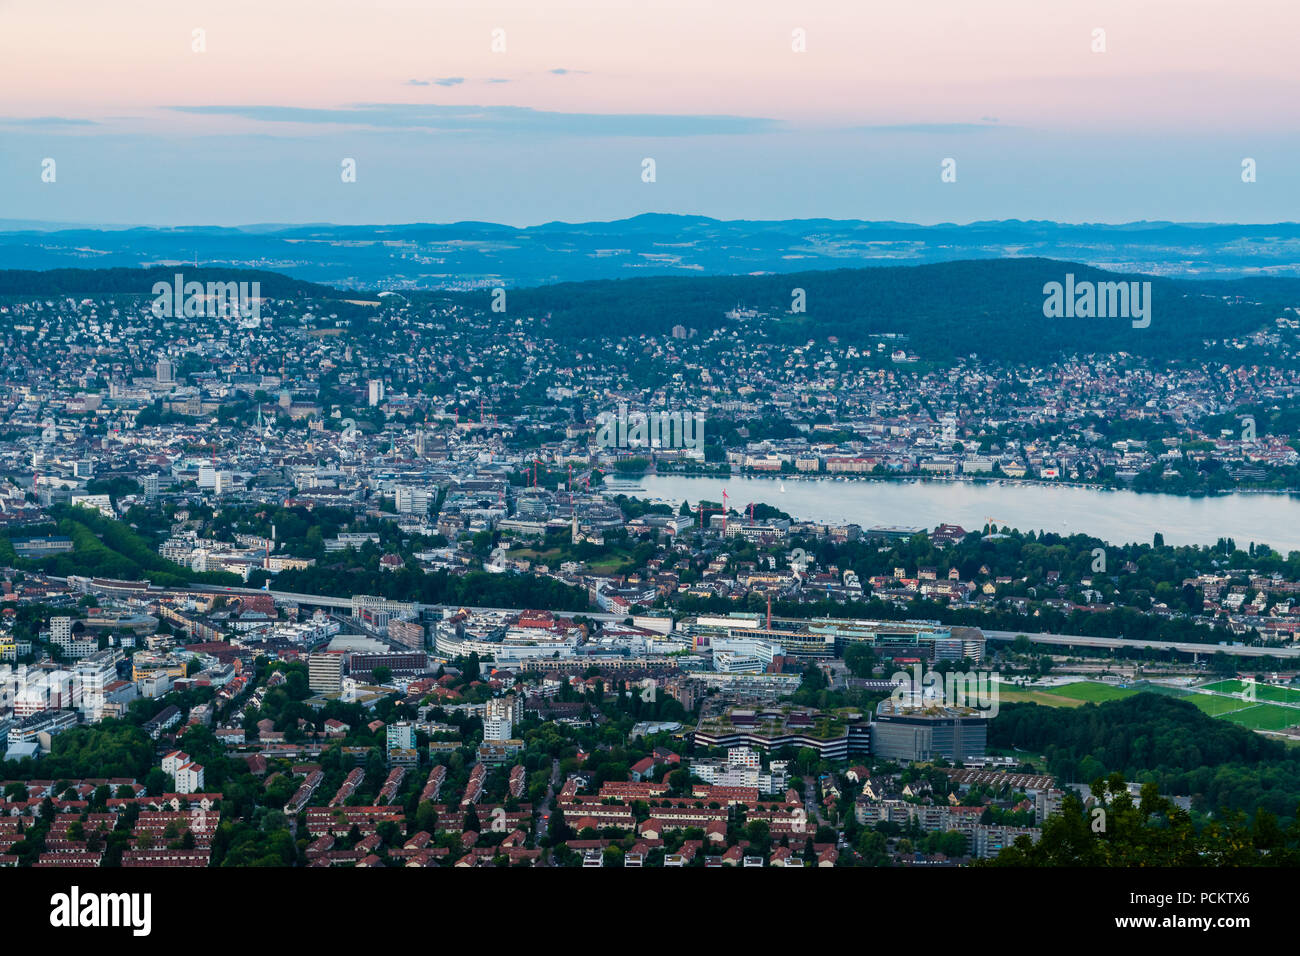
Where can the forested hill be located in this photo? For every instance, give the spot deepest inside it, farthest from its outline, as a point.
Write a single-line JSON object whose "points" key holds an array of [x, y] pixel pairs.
{"points": [[991, 307], [1155, 737]]}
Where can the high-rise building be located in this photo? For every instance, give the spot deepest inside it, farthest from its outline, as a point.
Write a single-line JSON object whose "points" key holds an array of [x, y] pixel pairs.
{"points": [[412, 501], [407, 633], [94, 673], [164, 371], [499, 719], [325, 672], [401, 735], [376, 391]]}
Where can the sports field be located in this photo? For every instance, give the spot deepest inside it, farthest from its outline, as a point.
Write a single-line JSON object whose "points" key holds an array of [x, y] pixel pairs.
{"points": [[1217, 706], [1263, 715], [1091, 691], [1269, 692], [1008, 695]]}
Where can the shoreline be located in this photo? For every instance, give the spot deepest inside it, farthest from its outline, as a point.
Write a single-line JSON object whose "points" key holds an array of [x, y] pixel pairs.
{"points": [[955, 479]]}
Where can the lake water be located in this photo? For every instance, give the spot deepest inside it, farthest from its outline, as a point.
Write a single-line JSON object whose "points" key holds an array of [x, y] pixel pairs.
{"points": [[1117, 517]]}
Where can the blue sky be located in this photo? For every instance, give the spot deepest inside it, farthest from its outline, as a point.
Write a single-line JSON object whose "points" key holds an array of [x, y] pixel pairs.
{"points": [[146, 129]]}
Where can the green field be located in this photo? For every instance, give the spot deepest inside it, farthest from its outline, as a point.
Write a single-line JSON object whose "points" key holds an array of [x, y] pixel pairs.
{"points": [[1265, 717], [1216, 706], [1023, 696], [1269, 692], [1261, 716], [1256, 716], [1090, 691], [1067, 695]]}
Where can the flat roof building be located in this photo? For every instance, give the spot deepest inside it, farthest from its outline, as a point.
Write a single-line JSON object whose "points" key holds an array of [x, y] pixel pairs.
{"points": [[926, 733]]}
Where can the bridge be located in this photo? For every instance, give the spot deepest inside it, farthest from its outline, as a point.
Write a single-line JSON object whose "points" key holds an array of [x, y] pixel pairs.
{"points": [[335, 602]]}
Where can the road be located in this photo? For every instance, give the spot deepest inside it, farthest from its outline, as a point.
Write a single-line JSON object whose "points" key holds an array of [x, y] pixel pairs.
{"points": [[1079, 640], [548, 806]]}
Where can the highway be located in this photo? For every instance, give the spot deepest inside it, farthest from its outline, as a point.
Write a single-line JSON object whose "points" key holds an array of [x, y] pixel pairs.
{"points": [[1060, 640], [1078, 640], [334, 601]]}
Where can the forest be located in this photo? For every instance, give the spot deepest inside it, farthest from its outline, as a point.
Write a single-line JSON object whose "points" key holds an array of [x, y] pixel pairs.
{"points": [[1154, 738], [992, 307]]}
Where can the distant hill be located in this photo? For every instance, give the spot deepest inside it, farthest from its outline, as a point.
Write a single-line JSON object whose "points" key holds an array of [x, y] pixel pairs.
{"points": [[993, 308], [475, 254]]}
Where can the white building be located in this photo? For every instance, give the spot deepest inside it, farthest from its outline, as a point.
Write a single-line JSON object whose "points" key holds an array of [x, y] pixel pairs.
{"points": [[189, 778], [93, 674], [498, 719], [187, 774], [101, 503], [413, 500]]}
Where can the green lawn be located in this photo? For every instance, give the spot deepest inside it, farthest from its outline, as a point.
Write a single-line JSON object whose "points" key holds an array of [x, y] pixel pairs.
{"points": [[1279, 695], [1260, 716], [1265, 717], [1092, 691], [1269, 692], [1225, 686], [1217, 706], [1023, 696]]}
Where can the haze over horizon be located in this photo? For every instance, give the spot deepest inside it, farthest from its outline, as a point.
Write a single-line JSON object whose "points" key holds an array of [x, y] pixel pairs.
{"points": [[17, 225]]}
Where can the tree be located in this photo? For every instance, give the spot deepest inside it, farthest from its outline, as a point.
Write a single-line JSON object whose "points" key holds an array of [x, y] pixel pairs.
{"points": [[157, 783], [679, 781], [860, 659]]}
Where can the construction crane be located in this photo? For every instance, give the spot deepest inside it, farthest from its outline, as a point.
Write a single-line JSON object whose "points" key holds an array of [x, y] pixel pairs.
{"points": [[723, 511]]}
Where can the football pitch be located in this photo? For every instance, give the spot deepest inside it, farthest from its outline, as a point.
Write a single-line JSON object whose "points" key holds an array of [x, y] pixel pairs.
{"points": [[1265, 713], [1268, 692], [1265, 717], [1092, 691]]}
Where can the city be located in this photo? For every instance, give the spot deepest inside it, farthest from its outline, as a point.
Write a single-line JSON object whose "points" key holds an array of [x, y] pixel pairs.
{"points": [[564, 436], [383, 605]]}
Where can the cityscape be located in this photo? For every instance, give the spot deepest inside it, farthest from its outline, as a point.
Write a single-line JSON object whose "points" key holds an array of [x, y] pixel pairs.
{"points": [[611, 448]]}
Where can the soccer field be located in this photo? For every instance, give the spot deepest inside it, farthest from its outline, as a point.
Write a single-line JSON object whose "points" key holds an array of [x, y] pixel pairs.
{"points": [[1269, 692], [1265, 717], [1092, 691], [1216, 706]]}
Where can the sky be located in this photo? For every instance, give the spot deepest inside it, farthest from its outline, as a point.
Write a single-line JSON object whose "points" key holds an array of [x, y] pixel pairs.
{"points": [[188, 112]]}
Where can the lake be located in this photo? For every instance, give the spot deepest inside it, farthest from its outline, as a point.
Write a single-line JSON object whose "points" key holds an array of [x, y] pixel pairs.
{"points": [[1117, 517]]}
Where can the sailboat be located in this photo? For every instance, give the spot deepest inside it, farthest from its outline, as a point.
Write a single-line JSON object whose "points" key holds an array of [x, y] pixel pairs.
{"points": [[783, 487]]}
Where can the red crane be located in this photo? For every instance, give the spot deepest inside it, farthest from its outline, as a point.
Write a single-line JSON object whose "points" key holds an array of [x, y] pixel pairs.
{"points": [[723, 510]]}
